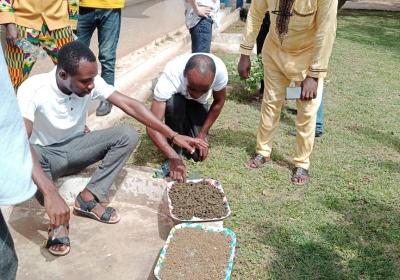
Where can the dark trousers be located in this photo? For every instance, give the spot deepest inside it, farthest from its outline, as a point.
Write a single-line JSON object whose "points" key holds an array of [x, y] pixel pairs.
{"points": [[185, 117], [112, 145], [8, 257], [201, 35], [262, 34]]}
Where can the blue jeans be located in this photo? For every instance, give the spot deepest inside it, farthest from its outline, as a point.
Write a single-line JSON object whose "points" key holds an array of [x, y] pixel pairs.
{"points": [[320, 116], [8, 257], [201, 35], [108, 24]]}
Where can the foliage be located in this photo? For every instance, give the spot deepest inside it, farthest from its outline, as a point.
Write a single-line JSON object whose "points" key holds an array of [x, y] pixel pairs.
{"points": [[256, 75]]}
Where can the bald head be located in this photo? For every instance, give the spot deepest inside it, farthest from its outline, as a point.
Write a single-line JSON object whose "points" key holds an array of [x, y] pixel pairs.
{"points": [[203, 64], [199, 72]]}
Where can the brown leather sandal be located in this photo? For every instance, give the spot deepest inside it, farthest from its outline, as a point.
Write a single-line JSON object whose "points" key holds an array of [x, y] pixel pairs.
{"points": [[300, 176], [257, 161]]}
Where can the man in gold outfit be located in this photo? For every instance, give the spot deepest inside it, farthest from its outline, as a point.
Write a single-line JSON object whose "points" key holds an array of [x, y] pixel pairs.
{"points": [[297, 49]]}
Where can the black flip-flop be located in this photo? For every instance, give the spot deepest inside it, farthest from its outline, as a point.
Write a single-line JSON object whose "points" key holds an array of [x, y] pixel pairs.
{"points": [[58, 241]]}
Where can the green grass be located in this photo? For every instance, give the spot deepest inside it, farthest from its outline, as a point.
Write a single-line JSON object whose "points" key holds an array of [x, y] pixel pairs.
{"points": [[236, 27], [346, 223]]}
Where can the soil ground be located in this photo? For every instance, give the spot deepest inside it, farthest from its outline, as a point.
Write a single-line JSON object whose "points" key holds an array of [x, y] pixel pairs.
{"points": [[195, 254], [199, 200]]}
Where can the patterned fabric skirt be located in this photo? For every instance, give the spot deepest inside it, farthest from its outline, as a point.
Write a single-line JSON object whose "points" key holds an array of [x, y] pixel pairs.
{"points": [[20, 63]]}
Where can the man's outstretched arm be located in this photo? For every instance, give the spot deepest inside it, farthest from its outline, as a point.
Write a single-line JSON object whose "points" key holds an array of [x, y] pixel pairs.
{"points": [[55, 206], [177, 167], [138, 111], [214, 112]]}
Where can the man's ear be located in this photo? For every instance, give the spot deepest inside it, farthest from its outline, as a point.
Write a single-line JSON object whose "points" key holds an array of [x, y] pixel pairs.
{"points": [[62, 74]]}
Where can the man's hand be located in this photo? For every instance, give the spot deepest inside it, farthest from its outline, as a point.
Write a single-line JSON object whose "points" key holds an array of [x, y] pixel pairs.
{"points": [[189, 143], [309, 86], [56, 208], [177, 170], [11, 34], [203, 11], [203, 151], [244, 66]]}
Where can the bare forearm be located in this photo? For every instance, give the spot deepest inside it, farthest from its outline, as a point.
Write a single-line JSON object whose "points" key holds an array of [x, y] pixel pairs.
{"points": [[142, 114], [44, 183], [162, 144], [213, 114]]}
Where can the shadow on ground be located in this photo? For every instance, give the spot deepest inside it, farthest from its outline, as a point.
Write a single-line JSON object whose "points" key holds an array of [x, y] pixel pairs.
{"points": [[358, 27], [358, 246], [387, 139]]}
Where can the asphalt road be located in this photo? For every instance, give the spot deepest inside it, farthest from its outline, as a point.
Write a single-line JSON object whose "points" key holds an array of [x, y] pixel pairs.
{"points": [[142, 22]]}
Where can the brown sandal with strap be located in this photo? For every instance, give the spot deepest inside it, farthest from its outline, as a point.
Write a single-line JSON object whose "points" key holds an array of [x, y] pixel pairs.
{"points": [[300, 176], [257, 161]]}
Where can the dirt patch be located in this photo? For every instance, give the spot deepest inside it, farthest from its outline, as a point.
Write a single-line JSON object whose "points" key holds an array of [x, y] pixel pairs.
{"points": [[199, 200], [196, 254]]}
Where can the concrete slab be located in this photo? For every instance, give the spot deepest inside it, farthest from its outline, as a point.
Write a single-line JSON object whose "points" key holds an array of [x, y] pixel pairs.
{"points": [[127, 250]]}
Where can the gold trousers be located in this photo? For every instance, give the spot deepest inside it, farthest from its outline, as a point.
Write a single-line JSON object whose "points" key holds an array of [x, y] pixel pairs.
{"points": [[274, 96]]}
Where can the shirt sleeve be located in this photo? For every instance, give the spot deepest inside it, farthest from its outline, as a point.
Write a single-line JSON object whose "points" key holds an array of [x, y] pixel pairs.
{"points": [[221, 76], [6, 12], [255, 17], [324, 39], [101, 89], [167, 84], [26, 101]]}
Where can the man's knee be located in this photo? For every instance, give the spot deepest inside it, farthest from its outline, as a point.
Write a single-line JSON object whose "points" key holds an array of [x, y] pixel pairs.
{"points": [[129, 136]]}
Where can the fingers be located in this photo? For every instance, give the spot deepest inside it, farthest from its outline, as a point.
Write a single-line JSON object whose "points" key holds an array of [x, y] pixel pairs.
{"points": [[12, 41], [52, 219], [59, 216], [244, 73], [190, 144], [189, 148], [183, 175], [244, 66], [201, 153], [205, 153], [307, 95], [178, 175], [178, 170], [309, 89], [11, 34], [200, 143], [204, 11], [65, 217]]}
